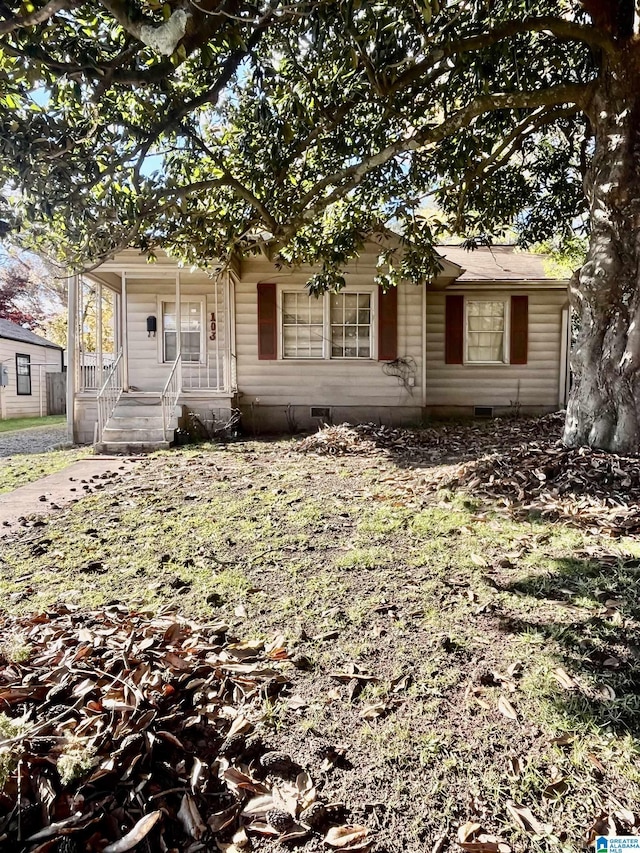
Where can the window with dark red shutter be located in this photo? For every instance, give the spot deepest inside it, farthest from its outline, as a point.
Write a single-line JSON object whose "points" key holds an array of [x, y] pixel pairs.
{"points": [[454, 329], [267, 322], [519, 335], [387, 324]]}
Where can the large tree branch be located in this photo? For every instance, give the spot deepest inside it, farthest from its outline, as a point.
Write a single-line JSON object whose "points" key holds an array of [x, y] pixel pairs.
{"points": [[348, 178], [508, 147], [199, 187], [557, 26], [38, 16], [163, 38]]}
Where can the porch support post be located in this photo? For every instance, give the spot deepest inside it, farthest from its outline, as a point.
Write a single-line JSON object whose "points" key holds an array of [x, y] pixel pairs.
{"points": [[116, 323], [217, 281], [124, 334], [82, 373], [99, 382], [232, 372], [72, 362], [178, 315]]}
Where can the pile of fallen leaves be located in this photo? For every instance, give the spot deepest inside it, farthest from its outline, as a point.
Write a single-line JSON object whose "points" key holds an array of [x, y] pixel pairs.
{"points": [[120, 732], [519, 464], [446, 441], [337, 440], [588, 487]]}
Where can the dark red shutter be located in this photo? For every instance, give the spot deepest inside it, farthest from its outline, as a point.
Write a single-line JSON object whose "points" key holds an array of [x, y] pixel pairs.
{"points": [[387, 324], [519, 336], [267, 322], [454, 330]]}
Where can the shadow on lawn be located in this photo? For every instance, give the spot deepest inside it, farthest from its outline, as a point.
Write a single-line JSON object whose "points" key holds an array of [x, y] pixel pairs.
{"points": [[600, 648]]}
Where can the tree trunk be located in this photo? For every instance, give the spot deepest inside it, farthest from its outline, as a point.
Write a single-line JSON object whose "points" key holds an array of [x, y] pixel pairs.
{"points": [[604, 406]]}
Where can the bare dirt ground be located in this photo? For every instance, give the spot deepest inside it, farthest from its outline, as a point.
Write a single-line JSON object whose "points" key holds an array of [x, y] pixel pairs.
{"points": [[455, 638]]}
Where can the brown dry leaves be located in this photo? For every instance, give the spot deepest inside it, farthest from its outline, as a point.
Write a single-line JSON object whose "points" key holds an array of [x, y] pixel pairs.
{"points": [[517, 463], [132, 729]]}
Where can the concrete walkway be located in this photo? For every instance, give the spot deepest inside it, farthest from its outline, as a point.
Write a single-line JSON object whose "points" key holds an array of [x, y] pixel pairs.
{"points": [[51, 493]]}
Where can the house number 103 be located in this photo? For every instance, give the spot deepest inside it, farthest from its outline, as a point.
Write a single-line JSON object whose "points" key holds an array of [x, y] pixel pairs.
{"points": [[212, 326]]}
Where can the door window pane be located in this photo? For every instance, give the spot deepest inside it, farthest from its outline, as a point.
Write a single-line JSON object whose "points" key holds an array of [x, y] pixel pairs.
{"points": [[190, 331]]}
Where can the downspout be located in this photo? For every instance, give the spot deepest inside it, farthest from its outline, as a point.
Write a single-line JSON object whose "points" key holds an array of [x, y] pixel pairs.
{"points": [[424, 347], [563, 382]]}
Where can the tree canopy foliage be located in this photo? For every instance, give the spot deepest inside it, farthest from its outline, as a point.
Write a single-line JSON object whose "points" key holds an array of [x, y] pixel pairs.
{"points": [[206, 126], [33, 293]]}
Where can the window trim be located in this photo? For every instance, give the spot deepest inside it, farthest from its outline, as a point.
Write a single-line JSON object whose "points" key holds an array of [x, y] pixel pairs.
{"points": [[506, 331], [370, 289], [20, 393], [184, 300]]}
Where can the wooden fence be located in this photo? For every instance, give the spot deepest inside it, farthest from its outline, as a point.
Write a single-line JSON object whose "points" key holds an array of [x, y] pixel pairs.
{"points": [[56, 393]]}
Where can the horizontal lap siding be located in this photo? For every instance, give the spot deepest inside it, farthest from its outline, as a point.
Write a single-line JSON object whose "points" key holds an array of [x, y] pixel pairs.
{"points": [[27, 405], [146, 370], [322, 382], [531, 384]]}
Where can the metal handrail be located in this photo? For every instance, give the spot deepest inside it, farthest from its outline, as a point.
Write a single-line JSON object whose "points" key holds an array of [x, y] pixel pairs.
{"points": [[170, 394], [109, 395]]}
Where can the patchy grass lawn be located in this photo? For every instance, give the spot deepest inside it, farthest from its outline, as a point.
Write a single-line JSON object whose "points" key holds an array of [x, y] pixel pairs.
{"points": [[463, 663], [13, 424], [25, 468]]}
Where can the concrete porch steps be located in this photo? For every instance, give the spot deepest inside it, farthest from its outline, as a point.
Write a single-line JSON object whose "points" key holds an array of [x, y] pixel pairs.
{"points": [[136, 427]]}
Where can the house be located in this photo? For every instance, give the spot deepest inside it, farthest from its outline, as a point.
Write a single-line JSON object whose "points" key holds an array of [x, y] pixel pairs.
{"points": [[489, 335], [25, 359]]}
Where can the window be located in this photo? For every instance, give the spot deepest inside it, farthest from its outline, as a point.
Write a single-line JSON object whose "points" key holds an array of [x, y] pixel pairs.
{"points": [[485, 331], [302, 326], [23, 374], [190, 331], [342, 320], [351, 325]]}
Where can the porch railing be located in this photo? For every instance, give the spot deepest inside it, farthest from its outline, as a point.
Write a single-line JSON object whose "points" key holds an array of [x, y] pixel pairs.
{"points": [[170, 394], [204, 376], [93, 375], [109, 394]]}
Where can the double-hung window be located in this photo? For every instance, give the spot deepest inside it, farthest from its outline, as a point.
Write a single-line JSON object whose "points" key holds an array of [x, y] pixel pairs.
{"points": [[350, 325], [486, 327], [190, 331], [23, 374], [336, 325], [302, 326]]}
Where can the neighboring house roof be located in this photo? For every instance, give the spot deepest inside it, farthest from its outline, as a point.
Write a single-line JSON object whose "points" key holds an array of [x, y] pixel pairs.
{"points": [[497, 263], [13, 332]]}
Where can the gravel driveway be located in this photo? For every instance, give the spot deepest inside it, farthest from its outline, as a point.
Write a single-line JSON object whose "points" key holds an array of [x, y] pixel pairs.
{"points": [[33, 440]]}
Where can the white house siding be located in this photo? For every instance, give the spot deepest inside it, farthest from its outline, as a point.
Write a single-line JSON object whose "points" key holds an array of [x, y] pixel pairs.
{"points": [[147, 372], [85, 418], [457, 388], [278, 394], [43, 360]]}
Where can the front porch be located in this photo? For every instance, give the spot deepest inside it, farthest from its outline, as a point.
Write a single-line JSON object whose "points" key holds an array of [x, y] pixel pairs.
{"points": [[157, 340]]}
